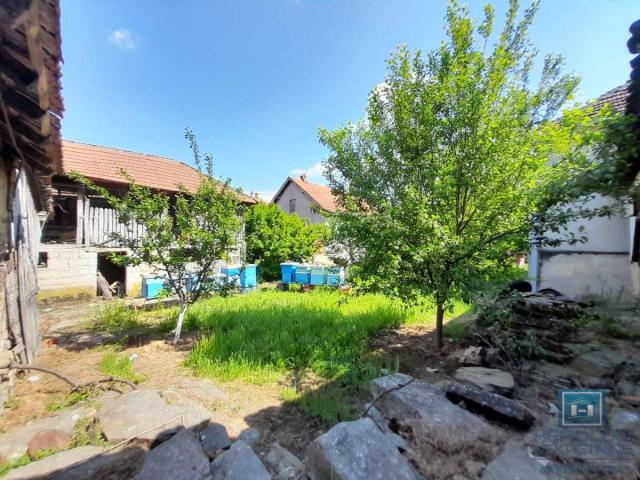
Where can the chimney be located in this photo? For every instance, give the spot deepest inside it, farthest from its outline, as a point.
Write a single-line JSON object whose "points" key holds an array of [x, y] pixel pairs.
{"points": [[304, 177]]}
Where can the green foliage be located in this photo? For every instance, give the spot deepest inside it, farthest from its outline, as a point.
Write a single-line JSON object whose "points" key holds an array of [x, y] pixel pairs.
{"points": [[274, 236], [12, 403], [184, 234], [612, 315], [87, 432], [69, 399], [260, 337], [115, 317], [119, 366], [438, 186], [20, 462]]}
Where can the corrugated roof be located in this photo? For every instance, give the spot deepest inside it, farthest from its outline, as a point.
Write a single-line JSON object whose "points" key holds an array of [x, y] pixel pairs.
{"points": [[320, 194], [105, 164]]}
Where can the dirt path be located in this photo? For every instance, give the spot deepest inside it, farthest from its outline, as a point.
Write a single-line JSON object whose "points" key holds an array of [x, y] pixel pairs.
{"points": [[70, 348]]}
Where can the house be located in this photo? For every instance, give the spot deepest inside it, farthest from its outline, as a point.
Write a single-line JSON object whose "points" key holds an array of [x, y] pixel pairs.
{"points": [[605, 263], [31, 109], [76, 240], [310, 201]]}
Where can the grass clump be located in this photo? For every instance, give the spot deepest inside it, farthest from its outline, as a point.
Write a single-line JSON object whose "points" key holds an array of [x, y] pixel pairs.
{"points": [[69, 400], [116, 318], [19, 462], [119, 366], [87, 432]]}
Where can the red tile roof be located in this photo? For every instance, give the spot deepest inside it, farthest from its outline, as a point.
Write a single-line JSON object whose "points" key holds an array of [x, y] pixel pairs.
{"points": [[104, 164], [320, 194], [616, 98]]}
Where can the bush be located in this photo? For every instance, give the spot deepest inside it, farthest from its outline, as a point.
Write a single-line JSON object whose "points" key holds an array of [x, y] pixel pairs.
{"points": [[274, 236]]}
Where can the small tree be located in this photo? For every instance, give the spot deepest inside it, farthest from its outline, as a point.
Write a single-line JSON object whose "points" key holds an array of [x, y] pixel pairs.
{"points": [[274, 236], [441, 179], [183, 235]]}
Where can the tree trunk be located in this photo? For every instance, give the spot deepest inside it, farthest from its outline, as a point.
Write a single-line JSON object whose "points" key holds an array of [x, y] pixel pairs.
{"points": [[183, 311], [439, 324]]}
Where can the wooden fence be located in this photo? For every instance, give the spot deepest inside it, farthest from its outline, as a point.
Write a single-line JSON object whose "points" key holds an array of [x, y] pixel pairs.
{"points": [[103, 223]]}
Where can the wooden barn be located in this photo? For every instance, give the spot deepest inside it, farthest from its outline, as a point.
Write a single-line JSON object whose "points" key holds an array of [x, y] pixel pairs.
{"points": [[76, 240], [30, 111]]}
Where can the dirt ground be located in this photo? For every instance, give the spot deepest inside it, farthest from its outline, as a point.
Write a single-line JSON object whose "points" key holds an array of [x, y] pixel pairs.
{"points": [[72, 349]]}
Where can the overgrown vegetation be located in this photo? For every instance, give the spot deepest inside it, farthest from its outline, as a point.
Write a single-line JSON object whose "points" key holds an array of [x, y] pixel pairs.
{"points": [[115, 317], [120, 366], [274, 236]]}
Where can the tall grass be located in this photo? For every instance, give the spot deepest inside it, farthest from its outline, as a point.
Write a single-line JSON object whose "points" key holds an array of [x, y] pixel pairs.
{"points": [[261, 336]]}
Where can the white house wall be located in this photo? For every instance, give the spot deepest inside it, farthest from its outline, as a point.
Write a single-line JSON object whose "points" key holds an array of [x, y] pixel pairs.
{"points": [[601, 265], [304, 205]]}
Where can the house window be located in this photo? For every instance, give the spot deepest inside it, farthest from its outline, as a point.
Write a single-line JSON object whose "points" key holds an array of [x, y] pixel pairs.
{"points": [[43, 259], [292, 205]]}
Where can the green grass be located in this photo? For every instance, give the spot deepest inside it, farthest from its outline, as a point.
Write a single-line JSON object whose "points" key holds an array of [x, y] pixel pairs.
{"points": [[320, 338], [119, 366], [260, 337], [115, 317]]}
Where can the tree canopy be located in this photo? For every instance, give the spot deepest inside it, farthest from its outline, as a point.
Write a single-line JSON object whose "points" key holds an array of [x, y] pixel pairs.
{"points": [[440, 181], [274, 236]]}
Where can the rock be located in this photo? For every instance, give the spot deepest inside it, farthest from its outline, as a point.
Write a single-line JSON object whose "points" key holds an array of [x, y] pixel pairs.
{"points": [[489, 379], [474, 468], [599, 363], [514, 463], [492, 357], [197, 390], [239, 463], [425, 410], [179, 458], [15, 443], [284, 464], [214, 438], [6, 358], [490, 404], [52, 465], [627, 420], [356, 451], [84, 463], [472, 356], [250, 436], [140, 411], [383, 424], [49, 440]]}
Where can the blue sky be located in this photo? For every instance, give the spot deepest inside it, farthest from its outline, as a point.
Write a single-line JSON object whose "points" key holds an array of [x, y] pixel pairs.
{"points": [[256, 79]]}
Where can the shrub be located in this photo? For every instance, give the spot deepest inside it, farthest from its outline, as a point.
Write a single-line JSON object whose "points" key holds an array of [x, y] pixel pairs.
{"points": [[274, 236]]}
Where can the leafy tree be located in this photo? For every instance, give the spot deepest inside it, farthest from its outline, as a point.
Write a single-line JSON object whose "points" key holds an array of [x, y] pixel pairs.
{"points": [[274, 236], [183, 235], [440, 181]]}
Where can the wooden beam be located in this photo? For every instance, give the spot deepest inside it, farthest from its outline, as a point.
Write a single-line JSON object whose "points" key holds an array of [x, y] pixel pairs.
{"points": [[87, 223], [80, 215]]}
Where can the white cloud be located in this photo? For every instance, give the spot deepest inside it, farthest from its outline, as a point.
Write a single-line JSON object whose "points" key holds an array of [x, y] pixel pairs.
{"points": [[123, 39], [314, 172]]}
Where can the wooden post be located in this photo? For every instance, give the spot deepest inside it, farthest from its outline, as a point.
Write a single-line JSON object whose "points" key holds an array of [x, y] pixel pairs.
{"points": [[80, 215], [87, 222]]}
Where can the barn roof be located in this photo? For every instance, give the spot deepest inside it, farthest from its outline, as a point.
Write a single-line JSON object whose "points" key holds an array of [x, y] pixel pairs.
{"points": [[105, 164], [616, 98]]}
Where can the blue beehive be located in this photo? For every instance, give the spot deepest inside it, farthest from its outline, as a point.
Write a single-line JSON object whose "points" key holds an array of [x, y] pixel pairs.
{"points": [[317, 275], [151, 286], [248, 277], [302, 274], [335, 276], [233, 273], [288, 271]]}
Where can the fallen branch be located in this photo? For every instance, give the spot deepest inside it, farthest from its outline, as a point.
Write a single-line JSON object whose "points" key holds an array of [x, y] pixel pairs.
{"points": [[21, 366], [392, 389], [76, 387], [124, 442]]}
